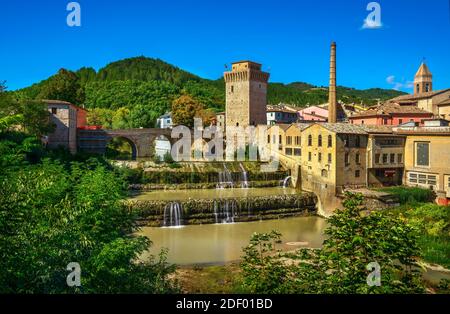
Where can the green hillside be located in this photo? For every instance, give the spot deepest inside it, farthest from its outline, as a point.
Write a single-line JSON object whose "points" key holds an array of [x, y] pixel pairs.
{"points": [[146, 87]]}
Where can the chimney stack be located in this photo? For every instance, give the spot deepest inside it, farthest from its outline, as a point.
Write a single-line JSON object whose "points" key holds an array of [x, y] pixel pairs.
{"points": [[332, 101]]}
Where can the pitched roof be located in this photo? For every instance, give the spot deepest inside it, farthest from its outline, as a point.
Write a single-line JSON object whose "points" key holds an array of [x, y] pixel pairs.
{"points": [[423, 70], [390, 108], [419, 96], [343, 128], [300, 126], [62, 102]]}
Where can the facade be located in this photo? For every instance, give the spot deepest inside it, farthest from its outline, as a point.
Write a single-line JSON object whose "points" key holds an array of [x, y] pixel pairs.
{"points": [[220, 121], [165, 121], [64, 116], [246, 94], [278, 115], [336, 156], [427, 159], [314, 113], [391, 113]]}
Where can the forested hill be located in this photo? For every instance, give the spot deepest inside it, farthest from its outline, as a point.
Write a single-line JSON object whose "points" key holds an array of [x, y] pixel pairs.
{"points": [[148, 86]]}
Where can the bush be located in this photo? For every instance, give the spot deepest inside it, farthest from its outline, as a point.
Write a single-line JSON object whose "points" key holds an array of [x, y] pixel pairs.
{"points": [[168, 158], [410, 194], [353, 242]]}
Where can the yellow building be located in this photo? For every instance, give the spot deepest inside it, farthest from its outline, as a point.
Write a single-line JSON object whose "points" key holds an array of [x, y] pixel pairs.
{"points": [[427, 159]]}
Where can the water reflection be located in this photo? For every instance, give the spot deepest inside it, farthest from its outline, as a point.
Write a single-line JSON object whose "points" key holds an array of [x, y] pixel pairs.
{"points": [[222, 243]]}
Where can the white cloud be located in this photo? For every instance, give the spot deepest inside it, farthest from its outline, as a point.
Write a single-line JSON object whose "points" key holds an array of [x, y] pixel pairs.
{"points": [[399, 85]]}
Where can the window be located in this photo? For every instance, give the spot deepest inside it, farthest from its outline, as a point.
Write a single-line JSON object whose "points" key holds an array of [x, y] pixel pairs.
{"points": [[330, 141], [423, 154], [309, 156], [358, 158], [232, 88], [346, 141], [297, 140], [357, 173], [417, 88], [400, 121], [289, 140], [329, 158], [54, 110], [310, 140], [280, 139], [412, 178], [347, 161], [377, 158], [319, 157], [385, 158], [297, 152], [427, 87], [423, 180], [362, 122], [358, 141], [288, 151], [268, 139], [320, 141], [392, 159], [399, 158], [324, 173], [385, 121]]}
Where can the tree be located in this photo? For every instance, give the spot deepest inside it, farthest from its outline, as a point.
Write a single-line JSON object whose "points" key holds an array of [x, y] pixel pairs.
{"points": [[143, 117], [185, 109], [53, 214], [63, 86], [121, 118], [355, 239]]}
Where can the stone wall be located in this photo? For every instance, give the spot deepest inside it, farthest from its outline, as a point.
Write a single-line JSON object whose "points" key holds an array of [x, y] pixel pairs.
{"points": [[204, 211]]}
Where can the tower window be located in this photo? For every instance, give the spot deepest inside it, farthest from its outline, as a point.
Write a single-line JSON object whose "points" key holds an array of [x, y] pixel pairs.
{"points": [[417, 88], [427, 87]]}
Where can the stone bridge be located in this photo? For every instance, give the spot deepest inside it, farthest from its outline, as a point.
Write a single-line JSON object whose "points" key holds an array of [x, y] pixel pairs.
{"points": [[140, 140]]}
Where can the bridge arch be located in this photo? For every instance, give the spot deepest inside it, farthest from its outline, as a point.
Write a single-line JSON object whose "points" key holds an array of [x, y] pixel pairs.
{"points": [[129, 141]]}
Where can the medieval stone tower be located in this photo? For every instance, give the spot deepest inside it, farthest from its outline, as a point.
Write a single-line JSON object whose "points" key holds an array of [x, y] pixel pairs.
{"points": [[423, 81], [246, 94]]}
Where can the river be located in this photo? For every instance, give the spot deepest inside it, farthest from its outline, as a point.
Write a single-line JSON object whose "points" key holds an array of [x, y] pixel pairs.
{"points": [[223, 243]]}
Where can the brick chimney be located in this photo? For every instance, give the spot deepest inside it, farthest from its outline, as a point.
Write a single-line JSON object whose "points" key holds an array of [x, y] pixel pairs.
{"points": [[332, 101]]}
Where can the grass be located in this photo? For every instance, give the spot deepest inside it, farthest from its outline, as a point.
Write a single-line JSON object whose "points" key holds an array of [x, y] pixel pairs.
{"points": [[407, 195], [210, 279]]}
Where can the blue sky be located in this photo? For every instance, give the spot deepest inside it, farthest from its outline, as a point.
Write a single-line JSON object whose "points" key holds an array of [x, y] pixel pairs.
{"points": [[290, 38]]}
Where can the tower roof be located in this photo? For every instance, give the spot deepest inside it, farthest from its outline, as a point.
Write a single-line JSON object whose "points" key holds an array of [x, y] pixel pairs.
{"points": [[423, 70]]}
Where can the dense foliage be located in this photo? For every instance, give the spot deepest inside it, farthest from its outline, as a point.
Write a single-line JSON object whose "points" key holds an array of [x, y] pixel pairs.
{"points": [[433, 221], [57, 209], [147, 87], [354, 240], [410, 194]]}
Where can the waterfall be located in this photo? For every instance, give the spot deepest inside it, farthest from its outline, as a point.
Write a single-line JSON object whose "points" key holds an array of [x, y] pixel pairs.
{"points": [[286, 182], [173, 215], [225, 210], [244, 184], [225, 179]]}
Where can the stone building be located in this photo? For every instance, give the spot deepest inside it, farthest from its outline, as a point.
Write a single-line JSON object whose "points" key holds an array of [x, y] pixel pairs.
{"points": [[427, 158], [67, 118], [391, 113], [246, 94], [424, 97]]}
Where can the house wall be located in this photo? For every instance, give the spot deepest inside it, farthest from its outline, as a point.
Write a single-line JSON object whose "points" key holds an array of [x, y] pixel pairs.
{"points": [[439, 163]]}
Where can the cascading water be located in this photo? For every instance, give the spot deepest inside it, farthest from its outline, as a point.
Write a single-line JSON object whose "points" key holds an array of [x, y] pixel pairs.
{"points": [[225, 211], [225, 179], [244, 183], [286, 182], [173, 215]]}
